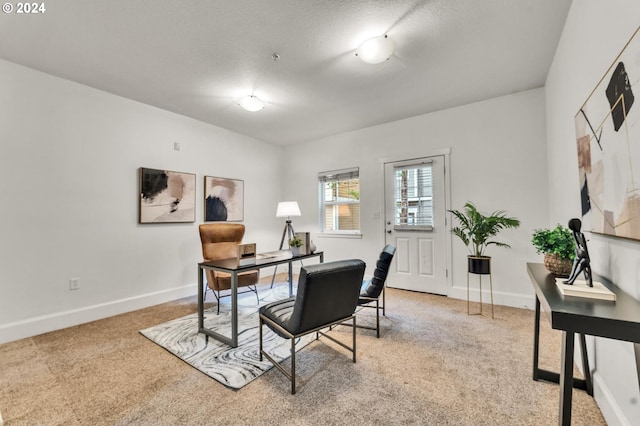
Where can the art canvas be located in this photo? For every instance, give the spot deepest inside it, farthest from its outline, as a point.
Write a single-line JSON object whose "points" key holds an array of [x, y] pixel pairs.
{"points": [[223, 199], [608, 142], [167, 196]]}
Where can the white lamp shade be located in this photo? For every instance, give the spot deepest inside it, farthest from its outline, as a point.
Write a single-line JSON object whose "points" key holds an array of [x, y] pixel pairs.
{"points": [[376, 50], [251, 103], [288, 209]]}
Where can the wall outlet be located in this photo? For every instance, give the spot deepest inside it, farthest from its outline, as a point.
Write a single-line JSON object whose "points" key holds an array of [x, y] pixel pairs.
{"points": [[176, 146], [74, 284]]}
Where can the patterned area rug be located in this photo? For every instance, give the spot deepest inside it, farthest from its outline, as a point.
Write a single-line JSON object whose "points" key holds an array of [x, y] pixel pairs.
{"points": [[233, 367]]}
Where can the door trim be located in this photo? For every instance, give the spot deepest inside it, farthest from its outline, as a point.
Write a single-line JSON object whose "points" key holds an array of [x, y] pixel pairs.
{"points": [[446, 153]]}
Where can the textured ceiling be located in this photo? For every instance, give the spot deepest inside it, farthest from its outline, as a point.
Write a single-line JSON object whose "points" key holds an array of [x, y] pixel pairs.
{"points": [[197, 58]]}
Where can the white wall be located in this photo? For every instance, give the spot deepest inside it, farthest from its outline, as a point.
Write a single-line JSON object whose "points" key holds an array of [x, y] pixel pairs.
{"points": [[69, 158], [594, 34], [498, 161]]}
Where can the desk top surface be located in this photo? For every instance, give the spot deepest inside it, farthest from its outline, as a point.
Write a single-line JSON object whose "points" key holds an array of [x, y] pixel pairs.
{"points": [[263, 260], [617, 320]]}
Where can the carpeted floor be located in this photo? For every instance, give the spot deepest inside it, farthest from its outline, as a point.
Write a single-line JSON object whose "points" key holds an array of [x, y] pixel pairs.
{"points": [[233, 367], [433, 365]]}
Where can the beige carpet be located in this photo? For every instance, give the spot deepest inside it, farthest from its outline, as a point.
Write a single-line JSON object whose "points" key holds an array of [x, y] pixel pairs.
{"points": [[433, 365]]}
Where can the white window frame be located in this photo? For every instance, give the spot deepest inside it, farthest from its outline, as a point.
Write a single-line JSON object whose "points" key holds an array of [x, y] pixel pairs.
{"points": [[337, 175]]}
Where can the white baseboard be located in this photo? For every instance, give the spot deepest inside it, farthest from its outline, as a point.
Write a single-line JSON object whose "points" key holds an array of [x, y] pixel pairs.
{"points": [[610, 409], [514, 300], [56, 321]]}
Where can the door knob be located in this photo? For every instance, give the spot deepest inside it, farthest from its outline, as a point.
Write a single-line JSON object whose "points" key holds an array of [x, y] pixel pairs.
{"points": [[389, 231]]}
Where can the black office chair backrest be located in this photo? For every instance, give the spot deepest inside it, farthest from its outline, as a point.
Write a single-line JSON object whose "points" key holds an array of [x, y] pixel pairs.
{"points": [[380, 274], [327, 292]]}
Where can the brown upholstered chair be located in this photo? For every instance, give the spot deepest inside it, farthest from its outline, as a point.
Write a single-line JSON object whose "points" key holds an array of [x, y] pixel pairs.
{"points": [[220, 241]]}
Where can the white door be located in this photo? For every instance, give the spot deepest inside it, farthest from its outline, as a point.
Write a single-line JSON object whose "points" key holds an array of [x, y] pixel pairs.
{"points": [[415, 224]]}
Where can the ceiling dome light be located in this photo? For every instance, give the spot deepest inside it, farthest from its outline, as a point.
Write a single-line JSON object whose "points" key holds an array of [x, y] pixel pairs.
{"points": [[376, 50], [251, 103]]}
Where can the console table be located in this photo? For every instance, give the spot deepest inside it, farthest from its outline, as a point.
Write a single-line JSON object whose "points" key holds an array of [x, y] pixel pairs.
{"points": [[232, 267], [618, 320]]}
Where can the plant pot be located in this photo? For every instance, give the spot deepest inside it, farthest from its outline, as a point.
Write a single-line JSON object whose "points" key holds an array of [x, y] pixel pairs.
{"points": [[296, 251], [480, 265], [556, 265]]}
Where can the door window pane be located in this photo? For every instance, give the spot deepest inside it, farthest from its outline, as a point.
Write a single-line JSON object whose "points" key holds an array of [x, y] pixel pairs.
{"points": [[413, 196]]}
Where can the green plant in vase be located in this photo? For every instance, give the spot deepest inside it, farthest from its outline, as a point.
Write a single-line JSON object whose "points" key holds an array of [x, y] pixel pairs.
{"points": [[295, 244], [477, 230], [558, 247]]}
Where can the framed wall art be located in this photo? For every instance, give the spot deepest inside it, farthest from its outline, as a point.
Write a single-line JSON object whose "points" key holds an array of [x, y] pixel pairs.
{"points": [[223, 199], [608, 141], [166, 196]]}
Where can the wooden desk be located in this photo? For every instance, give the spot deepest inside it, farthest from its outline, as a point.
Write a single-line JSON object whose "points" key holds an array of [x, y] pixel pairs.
{"points": [[231, 267], [618, 320]]}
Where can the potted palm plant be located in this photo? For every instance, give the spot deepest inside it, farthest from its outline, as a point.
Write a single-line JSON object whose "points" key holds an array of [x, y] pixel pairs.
{"points": [[558, 247], [476, 230]]}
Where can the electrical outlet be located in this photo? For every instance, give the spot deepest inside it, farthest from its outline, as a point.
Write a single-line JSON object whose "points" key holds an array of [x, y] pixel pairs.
{"points": [[176, 146], [74, 284]]}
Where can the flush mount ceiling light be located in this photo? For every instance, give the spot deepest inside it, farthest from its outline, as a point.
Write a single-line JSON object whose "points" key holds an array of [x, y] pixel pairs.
{"points": [[251, 103], [376, 50]]}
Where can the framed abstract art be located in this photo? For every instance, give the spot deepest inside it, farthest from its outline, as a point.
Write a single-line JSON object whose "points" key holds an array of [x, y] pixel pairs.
{"points": [[608, 141], [166, 196], [223, 199]]}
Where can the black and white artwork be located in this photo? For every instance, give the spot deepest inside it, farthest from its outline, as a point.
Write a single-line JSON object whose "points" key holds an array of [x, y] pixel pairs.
{"points": [[223, 199], [166, 196], [608, 142]]}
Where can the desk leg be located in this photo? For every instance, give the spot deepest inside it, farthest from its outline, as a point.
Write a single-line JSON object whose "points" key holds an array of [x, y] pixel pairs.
{"points": [[566, 378], [585, 365], [636, 346], [200, 301], [234, 309], [290, 278], [536, 341], [550, 376]]}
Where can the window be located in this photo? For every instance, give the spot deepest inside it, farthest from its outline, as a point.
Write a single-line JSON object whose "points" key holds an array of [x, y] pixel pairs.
{"points": [[413, 197], [340, 201]]}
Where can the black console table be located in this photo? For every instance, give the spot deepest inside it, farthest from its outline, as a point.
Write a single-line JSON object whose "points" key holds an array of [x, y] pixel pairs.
{"points": [[618, 320]]}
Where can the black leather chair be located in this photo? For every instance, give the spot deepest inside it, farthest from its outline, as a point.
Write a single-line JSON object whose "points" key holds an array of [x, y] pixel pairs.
{"points": [[374, 288], [327, 295]]}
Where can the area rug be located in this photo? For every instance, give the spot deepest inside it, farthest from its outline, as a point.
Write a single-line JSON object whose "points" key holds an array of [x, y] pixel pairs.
{"points": [[233, 367]]}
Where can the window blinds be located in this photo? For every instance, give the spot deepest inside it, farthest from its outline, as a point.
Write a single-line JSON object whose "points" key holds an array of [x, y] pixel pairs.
{"points": [[413, 197]]}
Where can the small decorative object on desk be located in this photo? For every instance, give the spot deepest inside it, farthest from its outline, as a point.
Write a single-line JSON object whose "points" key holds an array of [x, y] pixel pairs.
{"points": [[582, 261], [558, 248], [246, 254], [306, 241], [296, 244]]}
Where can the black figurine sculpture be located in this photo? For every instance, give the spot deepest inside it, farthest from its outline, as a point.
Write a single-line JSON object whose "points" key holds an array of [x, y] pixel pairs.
{"points": [[581, 263]]}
